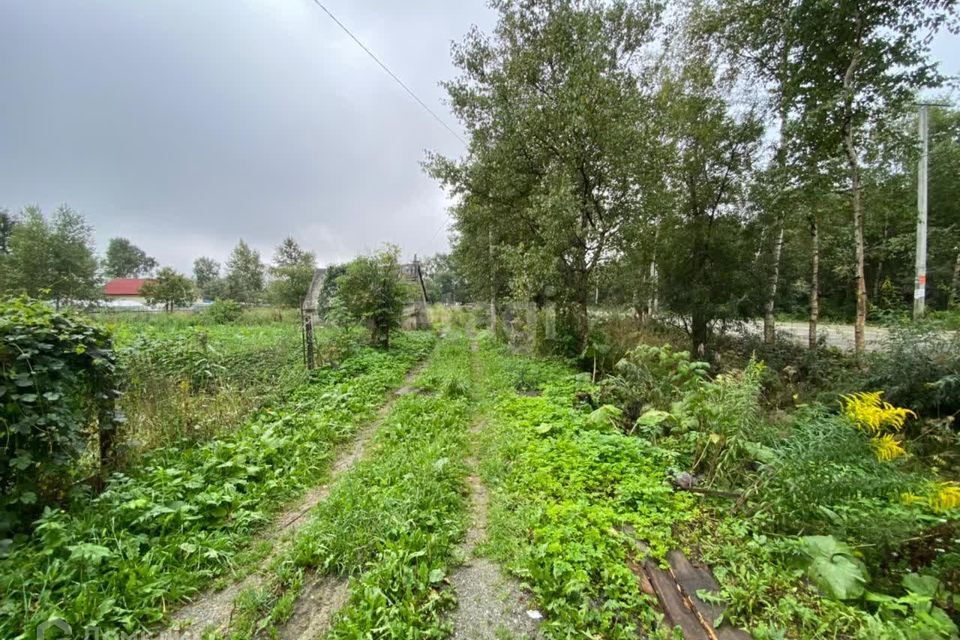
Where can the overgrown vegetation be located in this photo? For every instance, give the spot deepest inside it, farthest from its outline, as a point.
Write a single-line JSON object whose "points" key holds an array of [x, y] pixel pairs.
{"points": [[568, 490], [390, 523], [156, 533], [57, 393]]}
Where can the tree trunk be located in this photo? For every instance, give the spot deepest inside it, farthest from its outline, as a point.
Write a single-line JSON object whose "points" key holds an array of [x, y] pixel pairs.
{"points": [[493, 283], [814, 282], [783, 110], [955, 288], [860, 322], [653, 303], [853, 164], [769, 322], [698, 332]]}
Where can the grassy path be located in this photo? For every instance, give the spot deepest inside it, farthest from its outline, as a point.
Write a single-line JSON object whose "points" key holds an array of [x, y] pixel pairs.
{"points": [[490, 604], [564, 484], [211, 612], [373, 559]]}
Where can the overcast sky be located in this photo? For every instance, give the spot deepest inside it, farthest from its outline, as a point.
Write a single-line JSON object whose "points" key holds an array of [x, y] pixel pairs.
{"points": [[185, 125]]}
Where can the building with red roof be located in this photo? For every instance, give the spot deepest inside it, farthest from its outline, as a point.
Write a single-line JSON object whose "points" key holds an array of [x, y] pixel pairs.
{"points": [[125, 289]]}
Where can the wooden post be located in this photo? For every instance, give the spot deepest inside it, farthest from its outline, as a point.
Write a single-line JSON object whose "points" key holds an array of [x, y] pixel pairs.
{"points": [[308, 339]]}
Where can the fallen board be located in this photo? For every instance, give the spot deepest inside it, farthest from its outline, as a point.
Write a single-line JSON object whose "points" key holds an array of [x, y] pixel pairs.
{"points": [[677, 591]]}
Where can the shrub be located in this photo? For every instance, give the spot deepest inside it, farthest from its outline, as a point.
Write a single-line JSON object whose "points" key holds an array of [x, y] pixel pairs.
{"points": [[919, 369], [825, 477], [651, 377], [224, 311], [731, 429], [56, 382], [373, 292]]}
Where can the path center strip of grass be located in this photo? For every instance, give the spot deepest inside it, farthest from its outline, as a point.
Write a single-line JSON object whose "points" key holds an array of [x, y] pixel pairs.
{"points": [[392, 522], [115, 562], [563, 485]]}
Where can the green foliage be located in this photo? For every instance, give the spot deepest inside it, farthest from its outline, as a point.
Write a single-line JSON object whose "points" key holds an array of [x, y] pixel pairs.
{"points": [[56, 393], [224, 311], [563, 493], [390, 522], [919, 368], [651, 377], [833, 567], [52, 259], [169, 288], [244, 277], [556, 149], [126, 260], [824, 476], [292, 272], [374, 293], [206, 275], [156, 535], [702, 242]]}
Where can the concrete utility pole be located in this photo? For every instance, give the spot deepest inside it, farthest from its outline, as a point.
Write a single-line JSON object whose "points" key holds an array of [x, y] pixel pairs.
{"points": [[920, 283]]}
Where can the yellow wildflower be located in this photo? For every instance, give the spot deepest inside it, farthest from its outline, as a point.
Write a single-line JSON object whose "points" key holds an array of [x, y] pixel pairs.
{"points": [[887, 447], [870, 413], [946, 498]]}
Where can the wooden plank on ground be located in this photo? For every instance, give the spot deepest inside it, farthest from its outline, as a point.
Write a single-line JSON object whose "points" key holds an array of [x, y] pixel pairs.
{"points": [[675, 610], [692, 579]]}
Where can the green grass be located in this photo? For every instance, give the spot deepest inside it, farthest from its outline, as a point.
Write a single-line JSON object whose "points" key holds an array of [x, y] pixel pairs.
{"points": [[158, 533], [562, 491], [392, 522]]}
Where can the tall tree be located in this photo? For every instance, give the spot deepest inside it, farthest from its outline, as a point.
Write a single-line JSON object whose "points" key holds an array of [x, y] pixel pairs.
{"points": [[760, 39], [245, 273], [374, 293], [292, 271], [53, 259], [556, 119], [7, 222], [704, 275], [857, 62], [126, 260], [169, 288], [205, 271]]}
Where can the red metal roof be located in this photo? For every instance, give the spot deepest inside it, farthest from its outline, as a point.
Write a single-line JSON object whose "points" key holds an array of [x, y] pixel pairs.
{"points": [[124, 286]]}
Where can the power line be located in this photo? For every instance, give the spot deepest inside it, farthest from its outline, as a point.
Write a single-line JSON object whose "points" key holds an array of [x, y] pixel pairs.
{"points": [[391, 73]]}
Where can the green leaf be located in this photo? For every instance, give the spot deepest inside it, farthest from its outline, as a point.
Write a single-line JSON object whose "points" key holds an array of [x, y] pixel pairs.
{"points": [[921, 585], [87, 552], [833, 568], [543, 428], [437, 575], [652, 418], [604, 418]]}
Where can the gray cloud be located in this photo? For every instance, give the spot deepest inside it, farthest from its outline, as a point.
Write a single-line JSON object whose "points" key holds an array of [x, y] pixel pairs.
{"points": [[187, 125]]}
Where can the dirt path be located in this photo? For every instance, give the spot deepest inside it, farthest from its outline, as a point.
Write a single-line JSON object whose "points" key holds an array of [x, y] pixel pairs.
{"points": [[834, 335], [213, 609], [491, 606]]}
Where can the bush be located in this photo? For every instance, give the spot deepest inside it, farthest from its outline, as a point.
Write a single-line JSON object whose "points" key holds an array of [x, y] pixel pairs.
{"points": [[919, 369], [224, 311], [825, 477], [651, 377], [56, 382], [373, 292]]}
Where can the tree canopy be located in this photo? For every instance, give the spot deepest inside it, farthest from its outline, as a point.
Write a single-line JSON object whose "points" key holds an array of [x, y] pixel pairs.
{"points": [[126, 260]]}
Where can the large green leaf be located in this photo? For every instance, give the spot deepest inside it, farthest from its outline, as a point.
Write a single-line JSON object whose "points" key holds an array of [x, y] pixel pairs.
{"points": [[833, 567], [605, 417]]}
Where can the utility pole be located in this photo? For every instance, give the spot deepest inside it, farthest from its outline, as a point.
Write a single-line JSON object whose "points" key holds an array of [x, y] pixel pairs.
{"points": [[920, 283]]}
